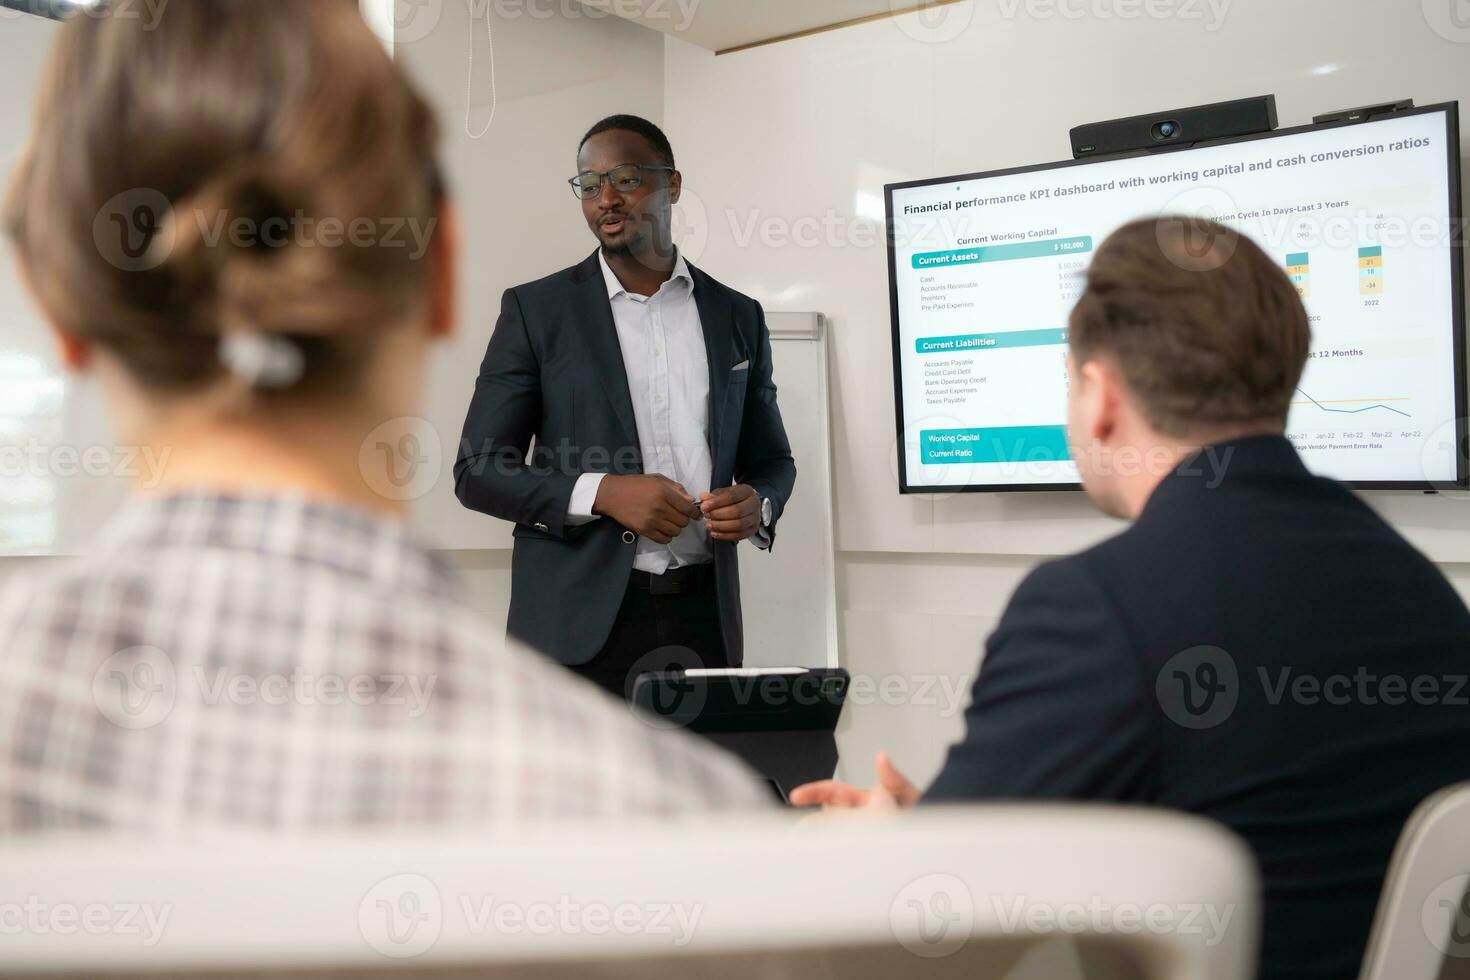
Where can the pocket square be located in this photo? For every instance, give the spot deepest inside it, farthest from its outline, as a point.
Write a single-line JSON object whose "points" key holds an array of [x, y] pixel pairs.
{"points": [[742, 366]]}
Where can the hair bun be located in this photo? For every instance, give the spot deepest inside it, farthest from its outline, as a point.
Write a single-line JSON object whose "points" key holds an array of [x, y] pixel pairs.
{"points": [[255, 252], [283, 148], [242, 213]]}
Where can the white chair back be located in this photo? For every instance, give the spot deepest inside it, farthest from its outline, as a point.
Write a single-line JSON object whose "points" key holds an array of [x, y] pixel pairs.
{"points": [[961, 892], [1422, 930]]}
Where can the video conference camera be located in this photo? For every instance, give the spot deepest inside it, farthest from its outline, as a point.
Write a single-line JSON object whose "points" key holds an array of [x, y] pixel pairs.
{"points": [[1176, 127]]}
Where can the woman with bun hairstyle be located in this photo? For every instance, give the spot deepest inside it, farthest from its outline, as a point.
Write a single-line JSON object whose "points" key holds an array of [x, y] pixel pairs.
{"points": [[217, 213]]}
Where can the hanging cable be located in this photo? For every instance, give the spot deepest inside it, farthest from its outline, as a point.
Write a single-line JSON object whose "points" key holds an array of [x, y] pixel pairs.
{"points": [[470, 85]]}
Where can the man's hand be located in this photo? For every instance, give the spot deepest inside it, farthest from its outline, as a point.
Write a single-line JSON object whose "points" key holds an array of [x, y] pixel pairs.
{"points": [[893, 791], [732, 514], [652, 506]]}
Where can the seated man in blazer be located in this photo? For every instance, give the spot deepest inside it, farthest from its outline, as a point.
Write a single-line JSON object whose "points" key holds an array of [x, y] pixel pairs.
{"points": [[1259, 647], [647, 387]]}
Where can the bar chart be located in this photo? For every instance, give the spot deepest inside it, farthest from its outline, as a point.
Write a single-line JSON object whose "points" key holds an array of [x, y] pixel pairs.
{"points": [[1370, 270]]}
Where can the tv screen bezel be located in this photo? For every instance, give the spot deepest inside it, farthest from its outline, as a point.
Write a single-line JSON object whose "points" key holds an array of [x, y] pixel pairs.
{"points": [[1451, 111]]}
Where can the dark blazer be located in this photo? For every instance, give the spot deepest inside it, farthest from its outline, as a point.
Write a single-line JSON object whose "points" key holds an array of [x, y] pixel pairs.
{"points": [[554, 372], [1207, 660]]}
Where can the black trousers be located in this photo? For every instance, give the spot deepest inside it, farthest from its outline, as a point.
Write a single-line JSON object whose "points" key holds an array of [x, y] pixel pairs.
{"points": [[658, 632]]}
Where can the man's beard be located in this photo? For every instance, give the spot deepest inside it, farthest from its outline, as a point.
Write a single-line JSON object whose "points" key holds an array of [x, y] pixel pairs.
{"points": [[622, 249], [644, 240]]}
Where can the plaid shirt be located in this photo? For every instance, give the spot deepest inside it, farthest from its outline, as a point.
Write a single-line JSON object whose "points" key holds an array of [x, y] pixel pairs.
{"points": [[273, 662]]}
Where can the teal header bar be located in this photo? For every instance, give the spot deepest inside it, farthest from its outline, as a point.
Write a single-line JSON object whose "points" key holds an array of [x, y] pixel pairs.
{"points": [[1297, 258], [1004, 253], [1371, 252], [990, 341], [1013, 444]]}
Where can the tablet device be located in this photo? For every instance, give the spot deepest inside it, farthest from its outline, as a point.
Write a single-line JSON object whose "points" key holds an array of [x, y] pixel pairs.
{"points": [[781, 721]]}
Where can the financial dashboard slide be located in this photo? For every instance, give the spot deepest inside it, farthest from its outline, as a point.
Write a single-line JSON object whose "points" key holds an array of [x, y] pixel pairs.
{"points": [[986, 269]]}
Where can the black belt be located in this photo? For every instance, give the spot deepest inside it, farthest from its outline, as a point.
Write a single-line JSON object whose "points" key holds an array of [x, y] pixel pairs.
{"points": [[675, 581]]}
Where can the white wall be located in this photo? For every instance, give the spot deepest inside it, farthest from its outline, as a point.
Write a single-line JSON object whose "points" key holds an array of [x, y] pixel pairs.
{"points": [[785, 150], [556, 75], [558, 70], [29, 379]]}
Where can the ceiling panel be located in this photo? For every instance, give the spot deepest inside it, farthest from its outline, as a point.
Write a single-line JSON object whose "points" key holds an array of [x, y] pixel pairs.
{"points": [[722, 25]]}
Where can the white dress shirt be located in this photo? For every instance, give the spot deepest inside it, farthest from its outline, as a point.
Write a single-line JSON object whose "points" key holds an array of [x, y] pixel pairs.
{"points": [[668, 378]]}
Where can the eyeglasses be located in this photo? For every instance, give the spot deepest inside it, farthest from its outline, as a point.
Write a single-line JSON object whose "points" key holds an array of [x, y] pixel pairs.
{"points": [[628, 177]]}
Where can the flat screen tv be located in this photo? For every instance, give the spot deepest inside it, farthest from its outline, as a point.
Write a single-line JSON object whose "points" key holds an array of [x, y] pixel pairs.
{"points": [[1364, 217]]}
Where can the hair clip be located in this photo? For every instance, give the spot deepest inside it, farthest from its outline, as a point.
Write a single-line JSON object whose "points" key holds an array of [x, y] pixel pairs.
{"points": [[262, 360]]}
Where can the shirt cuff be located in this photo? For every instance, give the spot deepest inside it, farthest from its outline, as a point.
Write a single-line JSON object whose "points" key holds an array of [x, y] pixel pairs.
{"points": [[762, 539], [584, 498]]}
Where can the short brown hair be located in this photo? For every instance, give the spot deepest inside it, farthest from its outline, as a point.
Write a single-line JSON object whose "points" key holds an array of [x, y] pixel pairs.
{"points": [[224, 110], [1205, 328]]}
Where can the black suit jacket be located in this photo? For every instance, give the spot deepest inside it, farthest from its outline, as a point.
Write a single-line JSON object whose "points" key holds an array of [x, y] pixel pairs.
{"points": [[1094, 686], [554, 373]]}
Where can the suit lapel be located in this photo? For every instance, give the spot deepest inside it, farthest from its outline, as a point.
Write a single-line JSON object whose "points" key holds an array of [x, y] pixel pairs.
{"points": [[717, 318], [593, 315]]}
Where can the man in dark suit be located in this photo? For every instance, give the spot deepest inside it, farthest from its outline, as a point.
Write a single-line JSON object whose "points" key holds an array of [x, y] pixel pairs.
{"points": [[1259, 647], [647, 387]]}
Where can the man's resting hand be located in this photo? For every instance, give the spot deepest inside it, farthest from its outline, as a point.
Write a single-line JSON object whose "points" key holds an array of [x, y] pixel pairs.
{"points": [[652, 506]]}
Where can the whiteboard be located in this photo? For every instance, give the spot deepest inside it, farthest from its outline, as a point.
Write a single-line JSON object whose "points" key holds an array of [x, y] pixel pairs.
{"points": [[790, 595]]}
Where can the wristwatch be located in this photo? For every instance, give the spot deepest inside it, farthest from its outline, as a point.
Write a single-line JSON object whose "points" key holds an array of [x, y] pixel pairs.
{"points": [[768, 513]]}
